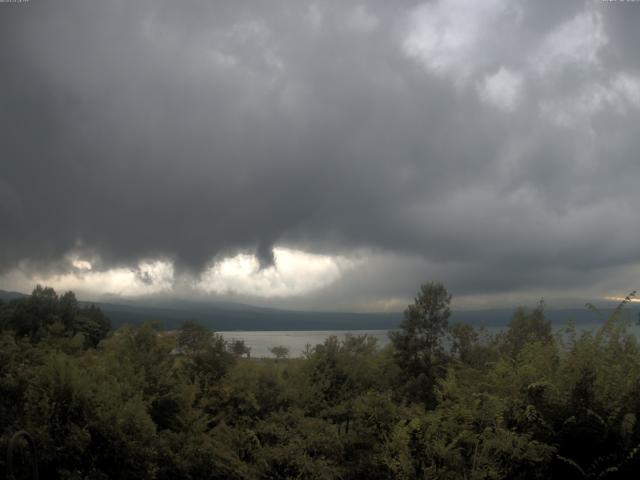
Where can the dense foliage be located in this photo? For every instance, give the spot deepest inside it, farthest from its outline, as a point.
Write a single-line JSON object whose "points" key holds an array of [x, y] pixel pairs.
{"points": [[441, 401]]}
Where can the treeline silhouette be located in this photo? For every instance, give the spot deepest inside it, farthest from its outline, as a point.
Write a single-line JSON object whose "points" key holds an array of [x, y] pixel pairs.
{"points": [[441, 401]]}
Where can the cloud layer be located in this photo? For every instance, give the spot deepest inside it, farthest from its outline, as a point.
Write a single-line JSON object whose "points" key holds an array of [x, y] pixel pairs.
{"points": [[492, 145]]}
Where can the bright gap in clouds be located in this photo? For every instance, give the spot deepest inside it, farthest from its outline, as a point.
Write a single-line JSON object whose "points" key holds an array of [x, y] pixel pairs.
{"points": [[294, 273], [146, 278]]}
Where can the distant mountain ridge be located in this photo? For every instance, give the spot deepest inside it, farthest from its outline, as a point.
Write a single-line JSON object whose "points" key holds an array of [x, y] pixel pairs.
{"points": [[227, 316], [7, 296]]}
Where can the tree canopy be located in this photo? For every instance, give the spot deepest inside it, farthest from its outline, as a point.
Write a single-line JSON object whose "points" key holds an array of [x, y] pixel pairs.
{"points": [[442, 400], [418, 341]]}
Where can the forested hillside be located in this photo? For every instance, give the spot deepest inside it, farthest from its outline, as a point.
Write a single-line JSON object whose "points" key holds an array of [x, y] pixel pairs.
{"points": [[441, 401]]}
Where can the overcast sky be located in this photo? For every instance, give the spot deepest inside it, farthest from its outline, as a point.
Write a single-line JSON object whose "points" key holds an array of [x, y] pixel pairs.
{"points": [[330, 155]]}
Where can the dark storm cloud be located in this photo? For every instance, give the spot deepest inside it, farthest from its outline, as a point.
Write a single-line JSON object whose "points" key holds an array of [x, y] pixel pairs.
{"points": [[134, 130]]}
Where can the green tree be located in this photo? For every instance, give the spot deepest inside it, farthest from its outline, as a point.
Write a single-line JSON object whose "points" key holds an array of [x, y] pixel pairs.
{"points": [[279, 351], [31, 317], [193, 337], [464, 341], [239, 348], [418, 342], [528, 326], [210, 362], [69, 309], [44, 315], [92, 324]]}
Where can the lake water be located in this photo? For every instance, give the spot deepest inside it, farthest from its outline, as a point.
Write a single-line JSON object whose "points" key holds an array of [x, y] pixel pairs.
{"points": [[296, 341]]}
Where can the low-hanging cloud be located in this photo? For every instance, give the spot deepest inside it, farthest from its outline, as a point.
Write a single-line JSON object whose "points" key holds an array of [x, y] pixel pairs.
{"points": [[493, 141]]}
